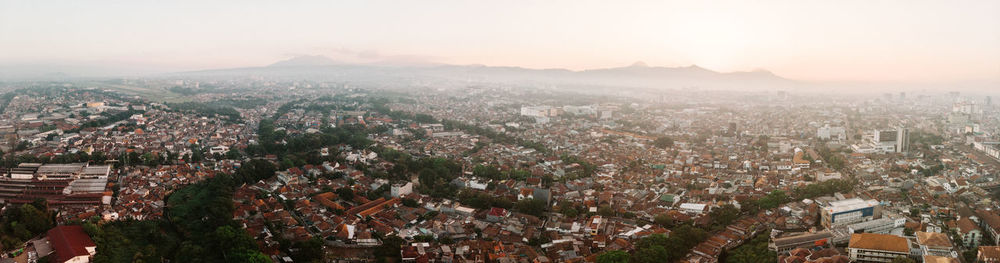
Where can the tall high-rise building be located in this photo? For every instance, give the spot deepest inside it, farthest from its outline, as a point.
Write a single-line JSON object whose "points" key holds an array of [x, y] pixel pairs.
{"points": [[902, 139], [884, 141]]}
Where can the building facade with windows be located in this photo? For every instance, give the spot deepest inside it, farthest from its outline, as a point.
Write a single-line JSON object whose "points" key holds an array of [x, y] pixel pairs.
{"points": [[868, 247]]}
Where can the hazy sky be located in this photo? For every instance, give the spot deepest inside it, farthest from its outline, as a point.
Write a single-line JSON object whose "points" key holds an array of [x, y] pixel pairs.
{"points": [[907, 40]]}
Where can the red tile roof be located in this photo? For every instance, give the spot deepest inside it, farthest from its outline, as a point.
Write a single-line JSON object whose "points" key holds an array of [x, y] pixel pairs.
{"points": [[69, 242]]}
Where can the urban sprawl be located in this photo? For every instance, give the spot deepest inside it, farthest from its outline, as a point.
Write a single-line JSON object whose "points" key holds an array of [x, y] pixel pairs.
{"points": [[261, 170]]}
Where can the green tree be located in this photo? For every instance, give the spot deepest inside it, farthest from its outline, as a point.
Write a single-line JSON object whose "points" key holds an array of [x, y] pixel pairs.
{"points": [[287, 163], [538, 241], [149, 160], [613, 256], [663, 142], [234, 154], [753, 251], [654, 240], [308, 251], [664, 220], [723, 216], [569, 211], [530, 206], [773, 199], [605, 210], [345, 193], [970, 255], [389, 249], [197, 153], [653, 254]]}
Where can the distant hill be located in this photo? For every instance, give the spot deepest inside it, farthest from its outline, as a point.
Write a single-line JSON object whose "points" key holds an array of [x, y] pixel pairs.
{"points": [[638, 75], [305, 61]]}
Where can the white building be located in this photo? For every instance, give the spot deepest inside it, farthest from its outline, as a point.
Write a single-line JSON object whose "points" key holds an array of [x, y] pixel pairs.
{"points": [[989, 148], [539, 111], [693, 208], [877, 226], [580, 110], [885, 141], [221, 149], [849, 211], [433, 127], [398, 190], [831, 133], [827, 175]]}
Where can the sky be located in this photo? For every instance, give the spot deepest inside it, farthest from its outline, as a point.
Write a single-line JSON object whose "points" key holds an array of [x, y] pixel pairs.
{"points": [[834, 41]]}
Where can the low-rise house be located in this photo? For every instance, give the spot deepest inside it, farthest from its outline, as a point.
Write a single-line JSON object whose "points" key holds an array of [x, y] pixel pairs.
{"points": [[969, 232], [936, 244], [71, 244]]}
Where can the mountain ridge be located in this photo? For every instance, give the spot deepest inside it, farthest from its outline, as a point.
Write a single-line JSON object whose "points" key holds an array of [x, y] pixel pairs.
{"points": [[636, 75], [305, 61]]}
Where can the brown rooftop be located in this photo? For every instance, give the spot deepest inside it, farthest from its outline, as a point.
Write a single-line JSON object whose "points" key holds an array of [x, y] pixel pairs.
{"points": [[989, 252], [879, 242], [965, 225], [933, 239], [937, 259]]}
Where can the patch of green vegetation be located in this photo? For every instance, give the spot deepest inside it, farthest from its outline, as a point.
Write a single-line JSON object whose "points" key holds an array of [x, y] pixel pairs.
{"points": [[753, 251]]}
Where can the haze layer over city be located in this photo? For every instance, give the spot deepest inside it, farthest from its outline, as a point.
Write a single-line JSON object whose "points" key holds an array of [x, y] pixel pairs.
{"points": [[499, 131]]}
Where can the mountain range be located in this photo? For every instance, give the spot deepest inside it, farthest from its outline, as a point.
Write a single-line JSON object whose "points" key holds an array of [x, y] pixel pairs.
{"points": [[637, 75]]}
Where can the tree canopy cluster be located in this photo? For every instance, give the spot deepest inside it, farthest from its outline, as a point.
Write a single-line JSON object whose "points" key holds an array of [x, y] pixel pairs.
{"points": [[723, 216], [660, 248], [495, 173], [778, 197], [535, 207], [108, 119], [663, 142], [206, 109], [198, 226], [833, 159], [271, 141], [482, 200], [753, 251], [824, 188], [613, 256], [435, 176], [587, 168], [12, 160], [20, 223]]}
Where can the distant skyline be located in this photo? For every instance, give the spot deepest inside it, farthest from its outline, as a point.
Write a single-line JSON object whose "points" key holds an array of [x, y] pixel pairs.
{"points": [[836, 41]]}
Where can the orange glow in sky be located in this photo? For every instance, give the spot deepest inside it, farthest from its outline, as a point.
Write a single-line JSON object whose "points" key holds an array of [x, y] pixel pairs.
{"points": [[923, 41]]}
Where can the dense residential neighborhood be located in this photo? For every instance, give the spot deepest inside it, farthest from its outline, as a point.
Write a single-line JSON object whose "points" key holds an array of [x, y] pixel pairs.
{"points": [[490, 175], [630, 131]]}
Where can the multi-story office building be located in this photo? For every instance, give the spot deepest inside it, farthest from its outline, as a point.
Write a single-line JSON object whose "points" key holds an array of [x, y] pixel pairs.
{"points": [[902, 139], [885, 141], [849, 211]]}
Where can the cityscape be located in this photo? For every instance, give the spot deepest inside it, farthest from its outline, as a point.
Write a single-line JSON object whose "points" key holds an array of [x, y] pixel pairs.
{"points": [[190, 155]]}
